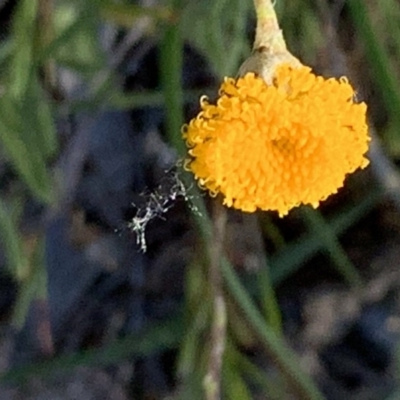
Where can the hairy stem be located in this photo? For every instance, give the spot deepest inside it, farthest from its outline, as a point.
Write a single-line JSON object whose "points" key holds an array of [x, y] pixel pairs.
{"points": [[212, 380], [268, 33]]}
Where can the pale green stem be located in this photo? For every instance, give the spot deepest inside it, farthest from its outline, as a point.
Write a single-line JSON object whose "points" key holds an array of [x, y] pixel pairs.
{"points": [[268, 33]]}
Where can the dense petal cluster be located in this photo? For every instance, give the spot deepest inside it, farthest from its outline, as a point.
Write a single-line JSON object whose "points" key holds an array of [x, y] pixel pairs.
{"points": [[277, 146]]}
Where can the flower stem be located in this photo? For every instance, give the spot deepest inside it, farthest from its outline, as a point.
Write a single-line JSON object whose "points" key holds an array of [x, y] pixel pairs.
{"points": [[212, 380], [268, 33]]}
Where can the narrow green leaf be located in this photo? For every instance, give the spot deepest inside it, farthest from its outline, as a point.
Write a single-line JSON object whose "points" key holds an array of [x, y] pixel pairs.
{"points": [[11, 242], [127, 14], [269, 302], [292, 256], [76, 40], [23, 33], [233, 385], [274, 346], [37, 120], [66, 33], [272, 386], [6, 51], [331, 245], [171, 61], [27, 160], [224, 41], [155, 338], [379, 60], [33, 285]]}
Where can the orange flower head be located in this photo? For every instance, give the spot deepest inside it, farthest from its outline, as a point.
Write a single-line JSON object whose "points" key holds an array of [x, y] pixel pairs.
{"points": [[274, 147]]}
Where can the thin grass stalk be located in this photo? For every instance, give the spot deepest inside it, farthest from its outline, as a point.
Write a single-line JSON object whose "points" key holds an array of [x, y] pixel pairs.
{"points": [[212, 380], [171, 63], [273, 345]]}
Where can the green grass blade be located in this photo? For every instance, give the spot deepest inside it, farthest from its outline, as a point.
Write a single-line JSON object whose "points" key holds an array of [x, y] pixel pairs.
{"points": [[153, 339], [224, 40], [274, 346], [272, 387], [331, 245], [37, 120], [234, 386], [127, 14], [27, 160], [379, 60], [33, 285], [171, 62], [268, 300], [11, 242], [292, 256], [66, 35], [23, 33]]}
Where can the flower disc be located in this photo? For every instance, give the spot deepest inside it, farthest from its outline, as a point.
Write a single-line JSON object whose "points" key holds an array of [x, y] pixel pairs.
{"points": [[276, 147]]}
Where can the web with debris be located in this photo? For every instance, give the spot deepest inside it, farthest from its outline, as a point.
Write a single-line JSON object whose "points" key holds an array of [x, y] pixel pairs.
{"points": [[157, 204]]}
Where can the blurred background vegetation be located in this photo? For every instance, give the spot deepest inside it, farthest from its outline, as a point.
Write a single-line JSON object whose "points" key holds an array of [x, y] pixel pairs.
{"points": [[93, 94]]}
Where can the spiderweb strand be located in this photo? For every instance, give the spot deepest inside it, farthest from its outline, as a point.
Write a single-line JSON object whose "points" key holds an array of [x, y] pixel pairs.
{"points": [[157, 204]]}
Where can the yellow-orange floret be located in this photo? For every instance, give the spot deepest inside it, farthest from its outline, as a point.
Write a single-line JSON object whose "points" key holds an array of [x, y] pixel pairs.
{"points": [[276, 147]]}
